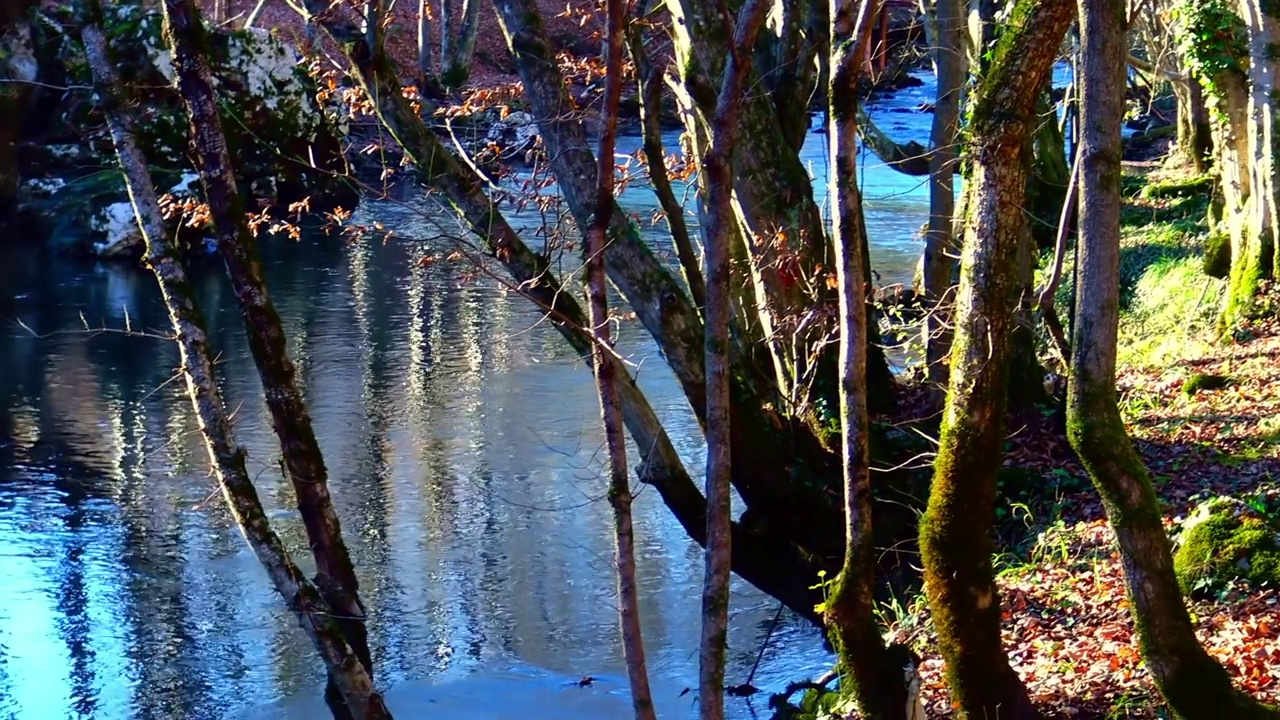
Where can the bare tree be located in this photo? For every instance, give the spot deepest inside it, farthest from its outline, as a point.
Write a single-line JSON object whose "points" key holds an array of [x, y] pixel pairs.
{"points": [[303, 461], [348, 674], [1194, 684], [717, 233], [850, 610], [606, 370]]}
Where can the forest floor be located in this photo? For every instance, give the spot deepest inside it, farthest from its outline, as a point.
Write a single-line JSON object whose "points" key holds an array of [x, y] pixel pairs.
{"points": [[1066, 624]]}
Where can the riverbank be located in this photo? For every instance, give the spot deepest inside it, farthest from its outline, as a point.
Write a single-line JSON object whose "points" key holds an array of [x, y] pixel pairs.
{"points": [[1202, 412]]}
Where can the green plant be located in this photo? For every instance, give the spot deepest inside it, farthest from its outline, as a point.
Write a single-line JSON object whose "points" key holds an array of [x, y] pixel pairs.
{"points": [[1212, 38]]}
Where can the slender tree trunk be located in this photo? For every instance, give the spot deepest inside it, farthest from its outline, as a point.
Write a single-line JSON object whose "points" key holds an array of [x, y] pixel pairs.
{"points": [[1193, 683], [605, 370], [955, 533], [1194, 140], [314, 612], [850, 610], [447, 21], [424, 40], [718, 166], [649, 82], [939, 250], [303, 461]]}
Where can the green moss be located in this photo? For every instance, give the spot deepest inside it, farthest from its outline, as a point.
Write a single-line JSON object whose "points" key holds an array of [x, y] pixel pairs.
{"points": [[1198, 382], [1217, 256], [1226, 540], [1180, 188]]}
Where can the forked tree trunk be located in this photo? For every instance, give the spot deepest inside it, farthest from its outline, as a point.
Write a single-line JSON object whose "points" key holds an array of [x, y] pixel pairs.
{"points": [[1193, 683], [955, 533], [717, 234], [303, 462], [875, 683], [314, 613], [457, 64], [606, 373]]}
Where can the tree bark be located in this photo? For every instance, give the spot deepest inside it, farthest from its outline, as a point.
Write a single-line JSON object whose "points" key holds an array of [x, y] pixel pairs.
{"points": [[314, 613], [606, 372], [718, 166], [303, 461], [1193, 683], [955, 533], [875, 684]]}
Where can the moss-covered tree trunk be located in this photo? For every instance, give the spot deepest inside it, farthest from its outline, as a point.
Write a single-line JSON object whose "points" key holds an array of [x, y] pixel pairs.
{"points": [[1194, 140], [346, 668], [955, 534], [303, 461], [606, 373], [1194, 684], [1254, 262], [875, 683]]}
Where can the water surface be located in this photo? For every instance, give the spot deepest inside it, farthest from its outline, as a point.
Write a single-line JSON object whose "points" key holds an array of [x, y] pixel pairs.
{"points": [[465, 458]]}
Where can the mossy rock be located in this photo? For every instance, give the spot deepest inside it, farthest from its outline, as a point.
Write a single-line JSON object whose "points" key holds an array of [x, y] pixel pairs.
{"points": [[286, 145], [1225, 540], [1217, 256], [1181, 188], [1200, 381]]}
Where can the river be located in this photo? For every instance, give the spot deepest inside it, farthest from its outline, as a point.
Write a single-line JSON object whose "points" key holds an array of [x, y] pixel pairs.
{"points": [[465, 455]]}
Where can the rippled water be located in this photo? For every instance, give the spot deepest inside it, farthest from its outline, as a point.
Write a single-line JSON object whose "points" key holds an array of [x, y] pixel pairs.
{"points": [[465, 457]]}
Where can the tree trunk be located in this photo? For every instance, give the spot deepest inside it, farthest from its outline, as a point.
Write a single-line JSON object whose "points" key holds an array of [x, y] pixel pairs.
{"points": [[1193, 683], [649, 87], [424, 40], [762, 555], [718, 166], [447, 21], [303, 461], [315, 613], [1194, 140], [462, 47], [850, 609], [606, 373], [955, 533], [939, 249], [1255, 261]]}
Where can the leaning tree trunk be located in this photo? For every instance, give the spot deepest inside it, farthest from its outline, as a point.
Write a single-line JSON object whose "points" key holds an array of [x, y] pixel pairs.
{"points": [[1193, 683], [303, 461], [781, 446], [606, 373], [955, 533], [717, 234], [315, 614], [876, 684]]}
